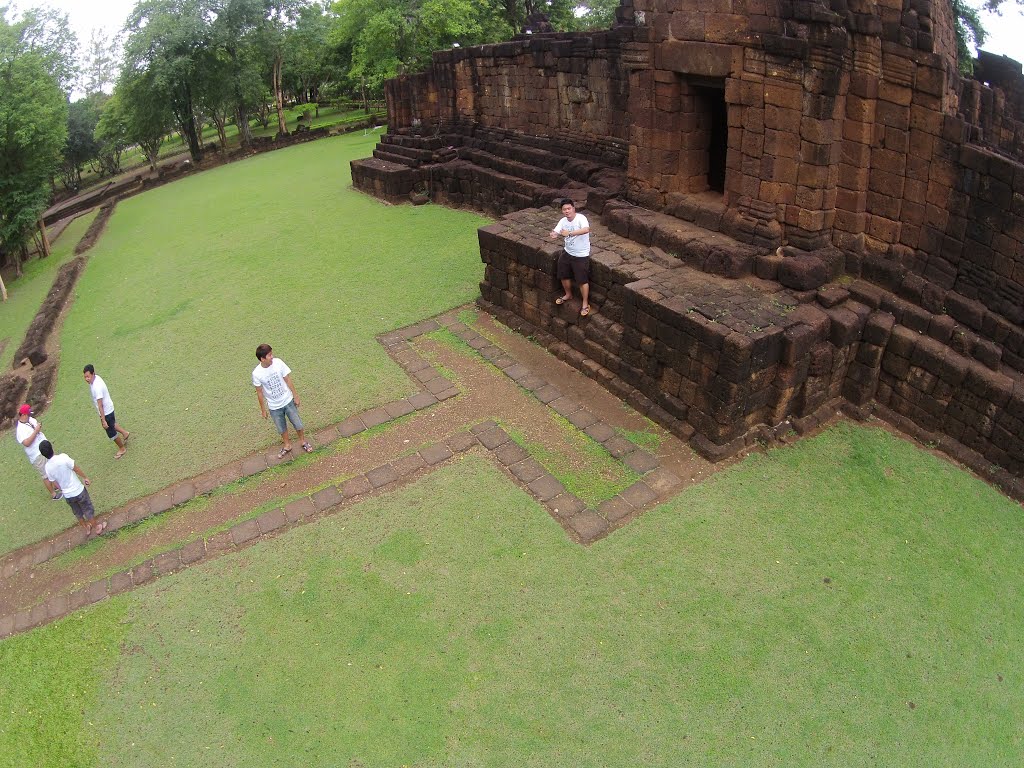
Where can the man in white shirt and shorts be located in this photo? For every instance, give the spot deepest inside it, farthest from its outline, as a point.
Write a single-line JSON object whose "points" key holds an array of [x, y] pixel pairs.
{"points": [[69, 477], [574, 260], [29, 432], [105, 406], [276, 394]]}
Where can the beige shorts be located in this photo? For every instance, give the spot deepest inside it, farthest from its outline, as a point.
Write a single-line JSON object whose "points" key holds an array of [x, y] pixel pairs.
{"points": [[40, 465]]}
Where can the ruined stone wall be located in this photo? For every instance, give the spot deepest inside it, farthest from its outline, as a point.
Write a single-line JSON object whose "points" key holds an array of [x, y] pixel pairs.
{"points": [[566, 87], [841, 127]]}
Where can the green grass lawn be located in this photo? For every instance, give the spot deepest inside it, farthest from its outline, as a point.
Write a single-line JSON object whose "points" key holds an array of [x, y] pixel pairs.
{"points": [[187, 280], [847, 601], [26, 294], [173, 145]]}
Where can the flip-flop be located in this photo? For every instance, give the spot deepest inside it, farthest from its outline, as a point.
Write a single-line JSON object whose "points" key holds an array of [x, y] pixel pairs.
{"points": [[585, 311], [307, 447], [119, 454], [562, 300], [284, 452]]}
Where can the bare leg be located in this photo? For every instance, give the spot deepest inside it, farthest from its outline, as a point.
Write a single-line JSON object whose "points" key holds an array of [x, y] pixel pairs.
{"points": [[119, 442], [122, 431], [567, 287], [585, 292], [287, 442]]}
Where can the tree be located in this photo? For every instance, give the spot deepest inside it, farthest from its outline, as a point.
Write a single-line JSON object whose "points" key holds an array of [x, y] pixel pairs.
{"points": [[308, 61], [140, 109], [111, 135], [82, 147], [379, 39], [235, 37], [36, 65], [100, 63], [167, 46]]}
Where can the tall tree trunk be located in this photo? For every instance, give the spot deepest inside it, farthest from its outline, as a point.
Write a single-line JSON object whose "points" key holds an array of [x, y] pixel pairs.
{"points": [[242, 121], [220, 121], [282, 127], [3, 288], [44, 240]]}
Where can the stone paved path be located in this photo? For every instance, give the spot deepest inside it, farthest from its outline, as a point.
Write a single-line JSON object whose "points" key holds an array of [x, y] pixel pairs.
{"points": [[506, 381]]}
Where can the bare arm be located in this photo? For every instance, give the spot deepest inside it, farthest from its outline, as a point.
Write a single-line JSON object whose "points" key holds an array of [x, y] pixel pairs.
{"points": [[295, 395], [81, 474], [262, 402], [99, 407], [31, 438]]}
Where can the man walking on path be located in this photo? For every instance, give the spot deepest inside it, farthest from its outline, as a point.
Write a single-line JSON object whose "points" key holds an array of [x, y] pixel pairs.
{"points": [[574, 260], [276, 394], [29, 432], [62, 470], [105, 406]]}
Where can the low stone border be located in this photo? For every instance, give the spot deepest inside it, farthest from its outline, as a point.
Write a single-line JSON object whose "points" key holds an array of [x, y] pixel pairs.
{"points": [[436, 388], [584, 524]]}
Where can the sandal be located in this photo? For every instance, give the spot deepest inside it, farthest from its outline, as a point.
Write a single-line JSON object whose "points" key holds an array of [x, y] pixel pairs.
{"points": [[562, 300], [284, 452], [585, 311], [307, 447]]}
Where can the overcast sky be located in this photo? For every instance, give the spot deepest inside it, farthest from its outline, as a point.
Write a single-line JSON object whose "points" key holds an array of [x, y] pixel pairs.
{"points": [[1006, 33]]}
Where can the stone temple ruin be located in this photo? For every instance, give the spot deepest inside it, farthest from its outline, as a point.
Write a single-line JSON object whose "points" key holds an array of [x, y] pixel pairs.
{"points": [[796, 205]]}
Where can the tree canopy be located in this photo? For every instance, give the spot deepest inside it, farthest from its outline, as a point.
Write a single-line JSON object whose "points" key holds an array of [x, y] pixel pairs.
{"points": [[37, 64]]}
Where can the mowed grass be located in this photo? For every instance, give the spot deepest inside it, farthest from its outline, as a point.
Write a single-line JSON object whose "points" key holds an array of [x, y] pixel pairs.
{"points": [[26, 293], [190, 277], [848, 601]]}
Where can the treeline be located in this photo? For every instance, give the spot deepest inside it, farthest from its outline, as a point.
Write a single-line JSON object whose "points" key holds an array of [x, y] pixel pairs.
{"points": [[178, 65]]}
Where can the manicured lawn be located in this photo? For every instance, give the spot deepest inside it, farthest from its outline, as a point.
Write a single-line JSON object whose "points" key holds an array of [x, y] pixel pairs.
{"points": [[848, 601], [25, 294], [190, 277]]}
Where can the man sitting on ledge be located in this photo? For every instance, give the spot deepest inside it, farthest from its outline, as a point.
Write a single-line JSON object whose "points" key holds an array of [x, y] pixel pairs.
{"points": [[574, 260]]}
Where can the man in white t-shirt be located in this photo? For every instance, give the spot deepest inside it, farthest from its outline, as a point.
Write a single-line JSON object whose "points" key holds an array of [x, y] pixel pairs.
{"points": [[276, 394], [574, 260], [69, 477], [29, 432], [105, 407]]}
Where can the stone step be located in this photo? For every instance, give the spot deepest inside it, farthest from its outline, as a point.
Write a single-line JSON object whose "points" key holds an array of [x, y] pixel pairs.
{"points": [[430, 143], [392, 157], [416, 154], [538, 175], [704, 249]]}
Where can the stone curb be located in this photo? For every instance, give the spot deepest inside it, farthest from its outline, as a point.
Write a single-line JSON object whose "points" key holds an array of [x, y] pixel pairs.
{"points": [[584, 524]]}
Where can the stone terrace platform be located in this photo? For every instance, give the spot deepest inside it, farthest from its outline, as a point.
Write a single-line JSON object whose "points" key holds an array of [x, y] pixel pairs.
{"points": [[493, 170], [723, 361], [696, 351]]}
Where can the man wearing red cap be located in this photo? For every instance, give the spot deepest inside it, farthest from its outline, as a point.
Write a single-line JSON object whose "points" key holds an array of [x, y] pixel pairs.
{"points": [[29, 432]]}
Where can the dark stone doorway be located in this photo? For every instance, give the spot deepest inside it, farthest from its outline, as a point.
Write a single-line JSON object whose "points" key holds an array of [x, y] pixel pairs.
{"points": [[710, 106]]}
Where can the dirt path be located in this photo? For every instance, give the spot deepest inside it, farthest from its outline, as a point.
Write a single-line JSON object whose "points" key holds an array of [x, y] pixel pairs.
{"points": [[507, 380]]}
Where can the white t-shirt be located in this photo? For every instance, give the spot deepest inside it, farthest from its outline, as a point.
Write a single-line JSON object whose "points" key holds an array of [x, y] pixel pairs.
{"points": [[22, 431], [61, 470], [575, 245], [271, 380], [98, 388]]}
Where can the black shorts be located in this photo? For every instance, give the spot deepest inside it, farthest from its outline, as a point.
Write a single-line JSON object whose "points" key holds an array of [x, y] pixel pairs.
{"points": [[81, 505], [111, 432], [576, 267]]}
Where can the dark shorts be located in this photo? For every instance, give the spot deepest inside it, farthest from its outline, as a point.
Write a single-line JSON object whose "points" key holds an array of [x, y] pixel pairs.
{"points": [[576, 267], [111, 432], [81, 505]]}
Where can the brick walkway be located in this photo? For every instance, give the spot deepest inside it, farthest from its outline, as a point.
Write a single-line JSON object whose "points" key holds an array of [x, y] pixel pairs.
{"points": [[481, 436]]}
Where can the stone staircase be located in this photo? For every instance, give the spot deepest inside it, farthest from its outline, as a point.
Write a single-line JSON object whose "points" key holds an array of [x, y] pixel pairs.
{"points": [[488, 169]]}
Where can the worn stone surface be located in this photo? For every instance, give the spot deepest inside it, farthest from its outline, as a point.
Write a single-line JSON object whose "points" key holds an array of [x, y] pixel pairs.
{"points": [[712, 264]]}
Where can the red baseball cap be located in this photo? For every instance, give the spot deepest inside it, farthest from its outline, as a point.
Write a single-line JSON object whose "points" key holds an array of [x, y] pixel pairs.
{"points": [[25, 410]]}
